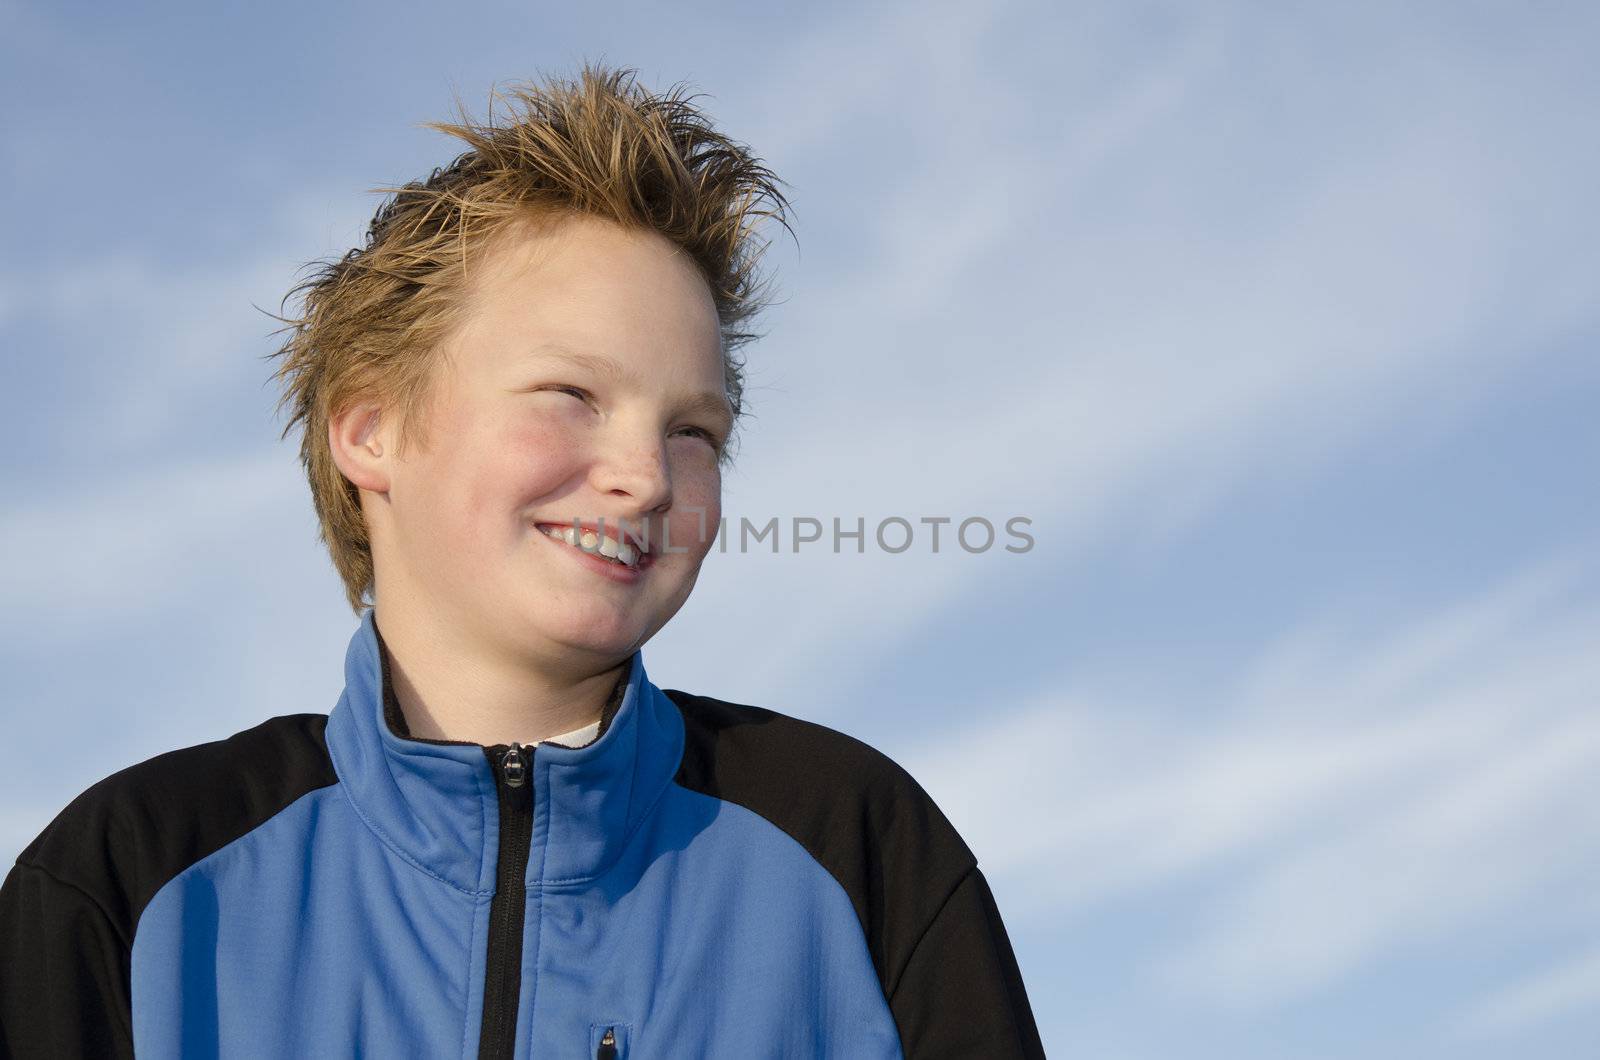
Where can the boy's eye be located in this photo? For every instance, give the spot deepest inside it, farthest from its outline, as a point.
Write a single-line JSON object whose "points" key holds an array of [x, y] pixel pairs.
{"points": [[583, 395], [710, 438]]}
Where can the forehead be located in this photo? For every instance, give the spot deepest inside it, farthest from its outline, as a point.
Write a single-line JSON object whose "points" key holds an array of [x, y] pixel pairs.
{"points": [[579, 254], [591, 286]]}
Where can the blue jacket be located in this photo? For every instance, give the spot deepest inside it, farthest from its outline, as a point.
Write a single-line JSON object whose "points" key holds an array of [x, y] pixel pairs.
{"points": [[703, 879]]}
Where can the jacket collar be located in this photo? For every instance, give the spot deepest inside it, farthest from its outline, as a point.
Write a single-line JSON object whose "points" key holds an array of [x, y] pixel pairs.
{"points": [[434, 802]]}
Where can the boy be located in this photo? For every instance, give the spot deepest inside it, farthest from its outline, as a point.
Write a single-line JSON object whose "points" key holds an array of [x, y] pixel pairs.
{"points": [[504, 840]]}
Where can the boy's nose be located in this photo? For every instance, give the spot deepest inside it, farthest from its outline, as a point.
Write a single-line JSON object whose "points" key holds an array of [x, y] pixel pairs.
{"points": [[638, 470]]}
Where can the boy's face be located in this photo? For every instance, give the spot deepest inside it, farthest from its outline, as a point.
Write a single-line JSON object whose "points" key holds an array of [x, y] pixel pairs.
{"points": [[522, 434]]}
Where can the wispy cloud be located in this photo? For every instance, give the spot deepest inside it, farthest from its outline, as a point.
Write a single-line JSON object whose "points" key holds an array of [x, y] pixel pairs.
{"points": [[1554, 991], [145, 340], [86, 561], [1400, 786]]}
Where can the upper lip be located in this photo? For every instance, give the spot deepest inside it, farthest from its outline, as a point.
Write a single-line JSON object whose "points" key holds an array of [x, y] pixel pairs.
{"points": [[612, 530]]}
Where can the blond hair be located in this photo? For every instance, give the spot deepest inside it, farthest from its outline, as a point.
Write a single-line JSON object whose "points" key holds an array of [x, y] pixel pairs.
{"points": [[373, 321]]}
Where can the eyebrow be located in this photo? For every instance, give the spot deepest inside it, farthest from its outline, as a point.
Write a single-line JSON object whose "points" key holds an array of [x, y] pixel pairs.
{"points": [[707, 402]]}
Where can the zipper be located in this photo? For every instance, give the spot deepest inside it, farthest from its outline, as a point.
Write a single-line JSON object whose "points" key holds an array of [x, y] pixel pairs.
{"points": [[512, 765], [608, 1046]]}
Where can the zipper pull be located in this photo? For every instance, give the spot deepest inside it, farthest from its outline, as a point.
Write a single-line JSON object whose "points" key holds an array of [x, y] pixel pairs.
{"points": [[514, 766], [608, 1046]]}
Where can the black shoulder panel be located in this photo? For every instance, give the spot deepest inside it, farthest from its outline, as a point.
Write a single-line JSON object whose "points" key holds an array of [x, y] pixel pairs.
{"points": [[124, 837], [857, 812]]}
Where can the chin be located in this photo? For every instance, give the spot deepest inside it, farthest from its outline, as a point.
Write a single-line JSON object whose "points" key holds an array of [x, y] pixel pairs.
{"points": [[604, 648], [595, 631]]}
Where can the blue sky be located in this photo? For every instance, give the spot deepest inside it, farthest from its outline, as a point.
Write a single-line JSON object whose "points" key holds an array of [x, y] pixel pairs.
{"points": [[1278, 322]]}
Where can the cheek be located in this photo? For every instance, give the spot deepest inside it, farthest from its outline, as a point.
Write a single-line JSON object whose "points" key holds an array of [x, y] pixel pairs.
{"points": [[533, 458], [697, 500], [497, 472]]}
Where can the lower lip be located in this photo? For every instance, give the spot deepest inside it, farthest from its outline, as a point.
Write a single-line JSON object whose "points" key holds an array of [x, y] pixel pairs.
{"points": [[615, 571]]}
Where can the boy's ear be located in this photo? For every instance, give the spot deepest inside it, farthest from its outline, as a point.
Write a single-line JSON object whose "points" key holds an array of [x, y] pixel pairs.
{"points": [[358, 447]]}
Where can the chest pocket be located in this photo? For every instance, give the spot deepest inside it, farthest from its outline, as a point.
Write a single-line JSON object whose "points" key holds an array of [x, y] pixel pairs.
{"points": [[608, 1041]]}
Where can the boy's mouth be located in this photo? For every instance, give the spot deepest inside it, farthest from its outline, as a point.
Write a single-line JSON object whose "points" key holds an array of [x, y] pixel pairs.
{"points": [[610, 547]]}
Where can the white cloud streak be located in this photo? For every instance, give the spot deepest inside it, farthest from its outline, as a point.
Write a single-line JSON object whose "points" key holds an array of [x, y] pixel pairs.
{"points": [[86, 561], [1391, 791], [1552, 992]]}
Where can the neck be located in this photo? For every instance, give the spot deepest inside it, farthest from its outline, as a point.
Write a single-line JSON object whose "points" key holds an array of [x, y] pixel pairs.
{"points": [[446, 691]]}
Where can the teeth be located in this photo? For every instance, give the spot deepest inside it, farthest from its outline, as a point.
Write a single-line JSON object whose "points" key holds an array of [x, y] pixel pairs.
{"points": [[567, 534], [589, 541]]}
